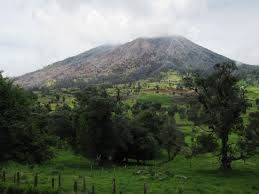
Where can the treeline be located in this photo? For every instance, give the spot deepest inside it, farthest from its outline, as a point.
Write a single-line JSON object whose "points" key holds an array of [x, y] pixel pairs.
{"points": [[107, 130], [100, 127]]}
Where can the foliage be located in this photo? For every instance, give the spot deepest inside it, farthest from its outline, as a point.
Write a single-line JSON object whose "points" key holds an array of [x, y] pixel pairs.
{"points": [[205, 143], [253, 133], [224, 102], [96, 136], [148, 115], [171, 138], [22, 134], [109, 130], [61, 122]]}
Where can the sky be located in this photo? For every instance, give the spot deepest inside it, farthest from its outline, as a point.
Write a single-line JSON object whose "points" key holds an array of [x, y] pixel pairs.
{"points": [[35, 33]]}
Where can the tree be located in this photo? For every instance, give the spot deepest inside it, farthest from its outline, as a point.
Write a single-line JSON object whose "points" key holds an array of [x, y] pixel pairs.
{"points": [[124, 128], [34, 140], [171, 138], [141, 105], [133, 140], [118, 94], [107, 132], [144, 145], [182, 112], [96, 135], [172, 110], [61, 123], [22, 135], [150, 120], [157, 88], [253, 132], [57, 96], [149, 115], [223, 102]]}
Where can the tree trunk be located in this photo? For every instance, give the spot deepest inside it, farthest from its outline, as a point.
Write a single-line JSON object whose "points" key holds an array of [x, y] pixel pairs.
{"points": [[225, 160], [169, 154]]}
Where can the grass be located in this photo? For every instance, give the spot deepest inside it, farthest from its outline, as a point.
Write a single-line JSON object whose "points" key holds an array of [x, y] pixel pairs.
{"points": [[163, 99], [202, 177]]}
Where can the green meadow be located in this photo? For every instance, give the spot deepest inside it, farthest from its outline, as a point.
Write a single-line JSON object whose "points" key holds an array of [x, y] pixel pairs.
{"points": [[198, 175]]}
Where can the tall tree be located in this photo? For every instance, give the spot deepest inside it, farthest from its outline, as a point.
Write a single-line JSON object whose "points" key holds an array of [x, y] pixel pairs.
{"points": [[96, 136], [61, 123], [171, 138], [223, 102]]}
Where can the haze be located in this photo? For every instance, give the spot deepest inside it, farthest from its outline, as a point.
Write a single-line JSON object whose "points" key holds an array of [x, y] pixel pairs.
{"points": [[34, 34]]}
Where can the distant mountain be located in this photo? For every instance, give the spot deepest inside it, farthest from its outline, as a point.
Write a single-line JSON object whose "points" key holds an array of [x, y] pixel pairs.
{"points": [[138, 59]]}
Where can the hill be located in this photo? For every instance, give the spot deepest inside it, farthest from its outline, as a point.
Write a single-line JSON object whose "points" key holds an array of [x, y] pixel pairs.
{"points": [[138, 59]]}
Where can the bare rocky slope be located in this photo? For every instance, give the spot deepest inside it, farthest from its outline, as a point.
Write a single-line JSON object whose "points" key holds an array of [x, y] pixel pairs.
{"points": [[138, 59]]}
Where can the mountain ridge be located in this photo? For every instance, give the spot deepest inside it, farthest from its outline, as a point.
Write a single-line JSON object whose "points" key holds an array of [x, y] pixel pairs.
{"points": [[137, 59]]}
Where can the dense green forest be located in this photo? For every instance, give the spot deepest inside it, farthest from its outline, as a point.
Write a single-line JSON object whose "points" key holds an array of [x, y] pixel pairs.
{"points": [[191, 133]]}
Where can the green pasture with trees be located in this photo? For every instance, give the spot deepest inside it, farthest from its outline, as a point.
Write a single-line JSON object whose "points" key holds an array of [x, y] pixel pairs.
{"points": [[197, 133]]}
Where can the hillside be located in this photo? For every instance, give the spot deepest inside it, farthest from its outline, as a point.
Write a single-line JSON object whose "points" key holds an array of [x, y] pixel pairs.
{"points": [[138, 59]]}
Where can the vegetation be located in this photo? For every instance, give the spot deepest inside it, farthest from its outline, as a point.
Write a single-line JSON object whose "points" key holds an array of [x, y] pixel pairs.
{"points": [[166, 133], [108, 131], [23, 135], [223, 103], [169, 178]]}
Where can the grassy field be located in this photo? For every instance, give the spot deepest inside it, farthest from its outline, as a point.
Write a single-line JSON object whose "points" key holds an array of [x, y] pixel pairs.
{"points": [[163, 99], [201, 177]]}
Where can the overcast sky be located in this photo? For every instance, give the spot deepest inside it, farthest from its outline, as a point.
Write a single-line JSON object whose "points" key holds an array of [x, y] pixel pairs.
{"points": [[35, 33]]}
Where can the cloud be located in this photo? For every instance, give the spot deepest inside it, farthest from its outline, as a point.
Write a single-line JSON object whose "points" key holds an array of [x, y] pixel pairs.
{"points": [[36, 33]]}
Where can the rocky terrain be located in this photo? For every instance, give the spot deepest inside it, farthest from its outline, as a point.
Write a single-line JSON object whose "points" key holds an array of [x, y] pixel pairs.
{"points": [[138, 59]]}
